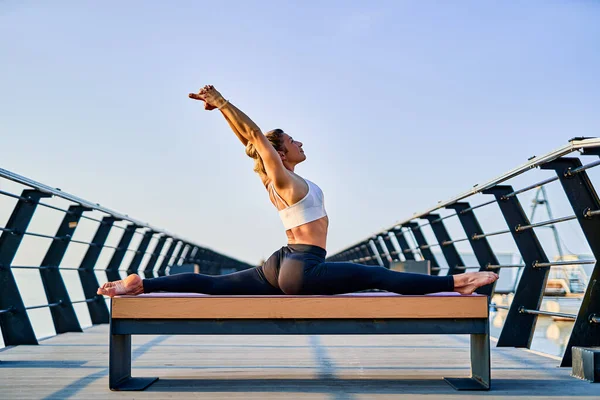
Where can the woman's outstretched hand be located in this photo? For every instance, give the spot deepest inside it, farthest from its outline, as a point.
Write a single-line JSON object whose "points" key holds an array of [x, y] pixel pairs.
{"points": [[210, 96]]}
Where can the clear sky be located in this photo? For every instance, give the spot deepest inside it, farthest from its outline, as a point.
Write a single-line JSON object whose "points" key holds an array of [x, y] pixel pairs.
{"points": [[399, 104]]}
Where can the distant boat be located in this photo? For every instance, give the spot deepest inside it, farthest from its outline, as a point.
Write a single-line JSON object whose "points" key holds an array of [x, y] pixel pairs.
{"points": [[569, 280]]}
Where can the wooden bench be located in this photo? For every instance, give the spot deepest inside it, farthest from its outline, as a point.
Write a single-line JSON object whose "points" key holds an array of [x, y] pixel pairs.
{"points": [[359, 313]]}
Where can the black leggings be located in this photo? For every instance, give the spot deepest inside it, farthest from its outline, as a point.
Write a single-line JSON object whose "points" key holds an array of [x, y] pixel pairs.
{"points": [[298, 269]]}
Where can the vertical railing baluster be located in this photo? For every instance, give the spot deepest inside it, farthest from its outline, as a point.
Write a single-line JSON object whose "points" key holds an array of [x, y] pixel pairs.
{"points": [[519, 327], [481, 247], [201, 259], [583, 198], [354, 255], [98, 309], [63, 315], [112, 270], [392, 250], [165, 262], [148, 270], [449, 251], [177, 257], [140, 252], [424, 246], [382, 255], [212, 263], [15, 324], [402, 242], [369, 255], [189, 257]]}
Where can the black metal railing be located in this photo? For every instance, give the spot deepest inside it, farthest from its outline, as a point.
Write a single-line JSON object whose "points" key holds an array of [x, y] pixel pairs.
{"points": [[391, 245], [168, 250]]}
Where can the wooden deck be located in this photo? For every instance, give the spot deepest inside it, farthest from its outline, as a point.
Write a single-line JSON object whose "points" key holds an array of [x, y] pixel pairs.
{"points": [[75, 365]]}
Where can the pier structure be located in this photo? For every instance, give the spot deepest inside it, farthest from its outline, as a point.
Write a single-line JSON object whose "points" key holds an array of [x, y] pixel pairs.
{"points": [[73, 363]]}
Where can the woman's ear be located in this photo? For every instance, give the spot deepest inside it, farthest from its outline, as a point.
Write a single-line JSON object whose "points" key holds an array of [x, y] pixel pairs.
{"points": [[282, 155]]}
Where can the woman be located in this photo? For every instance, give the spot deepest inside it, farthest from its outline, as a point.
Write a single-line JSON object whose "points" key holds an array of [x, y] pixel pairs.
{"points": [[298, 268]]}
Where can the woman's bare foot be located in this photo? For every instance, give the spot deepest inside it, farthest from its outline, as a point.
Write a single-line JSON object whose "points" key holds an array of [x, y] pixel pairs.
{"points": [[469, 282], [131, 285]]}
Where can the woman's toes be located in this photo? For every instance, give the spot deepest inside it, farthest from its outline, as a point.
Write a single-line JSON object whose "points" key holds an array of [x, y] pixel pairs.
{"points": [[132, 284]]}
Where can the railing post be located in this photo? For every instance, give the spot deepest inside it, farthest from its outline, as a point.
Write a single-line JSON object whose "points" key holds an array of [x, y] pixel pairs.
{"points": [[184, 253], [583, 199], [404, 247], [15, 324], [165, 262], [382, 255], [350, 255], [63, 315], [481, 247], [519, 327], [394, 253], [112, 270], [197, 255], [449, 251], [423, 246], [98, 310], [353, 255], [179, 252], [347, 255], [369, 255], [202, 260], [140, 252], [149, 268], [209, 262], [189, 257]]}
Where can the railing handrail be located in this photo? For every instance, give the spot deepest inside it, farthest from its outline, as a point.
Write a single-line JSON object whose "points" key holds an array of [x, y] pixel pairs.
{"points": [[532, 163], [85, 203], [535, 161]]}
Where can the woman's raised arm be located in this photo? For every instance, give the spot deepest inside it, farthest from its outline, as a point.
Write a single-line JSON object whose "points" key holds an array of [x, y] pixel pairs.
{"points": [[216, 98], [247, 131]]}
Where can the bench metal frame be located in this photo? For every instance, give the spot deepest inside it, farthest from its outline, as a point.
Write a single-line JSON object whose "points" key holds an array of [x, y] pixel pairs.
{"points": [[121, 330]]}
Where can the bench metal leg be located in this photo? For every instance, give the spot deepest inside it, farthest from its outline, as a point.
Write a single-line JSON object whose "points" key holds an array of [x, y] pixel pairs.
{"points": [[119, 366], [480, 366]]}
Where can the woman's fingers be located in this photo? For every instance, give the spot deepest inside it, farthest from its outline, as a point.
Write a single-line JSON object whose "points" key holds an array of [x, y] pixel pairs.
{"points": [[207, 94], [196, 96]]}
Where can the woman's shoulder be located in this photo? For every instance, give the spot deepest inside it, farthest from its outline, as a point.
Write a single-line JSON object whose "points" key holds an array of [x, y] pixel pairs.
{"points": [[297, 184], [266, 181]]}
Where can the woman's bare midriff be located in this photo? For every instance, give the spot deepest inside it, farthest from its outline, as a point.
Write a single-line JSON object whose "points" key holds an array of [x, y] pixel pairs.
{"points": [[313, 233]]}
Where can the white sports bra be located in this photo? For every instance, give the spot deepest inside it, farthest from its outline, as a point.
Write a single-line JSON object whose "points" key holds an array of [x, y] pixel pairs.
{"points": [[310, 208]]}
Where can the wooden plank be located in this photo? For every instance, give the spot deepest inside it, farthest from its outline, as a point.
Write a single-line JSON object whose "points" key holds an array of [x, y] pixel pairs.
{"points": [[299, 307], [74, 366]]}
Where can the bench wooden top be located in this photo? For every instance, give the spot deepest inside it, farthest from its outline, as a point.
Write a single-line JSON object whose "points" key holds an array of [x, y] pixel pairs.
{"points": [[363, 305]]}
